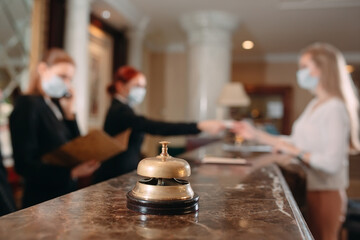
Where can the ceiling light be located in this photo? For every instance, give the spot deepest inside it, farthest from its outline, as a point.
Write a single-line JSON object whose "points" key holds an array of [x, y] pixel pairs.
{"points": [[106, 14], [350, 68], [247, 44]]}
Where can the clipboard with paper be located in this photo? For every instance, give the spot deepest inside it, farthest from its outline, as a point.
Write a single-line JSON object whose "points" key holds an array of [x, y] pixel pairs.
{"points": [[96, 145]]}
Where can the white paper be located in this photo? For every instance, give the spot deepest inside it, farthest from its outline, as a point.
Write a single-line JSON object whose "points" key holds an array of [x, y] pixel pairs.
{"points": [[222, 160], [228, 123]]}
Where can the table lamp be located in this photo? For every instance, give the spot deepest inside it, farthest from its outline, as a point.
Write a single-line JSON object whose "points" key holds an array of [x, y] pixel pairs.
{"points": [[232, 95]]}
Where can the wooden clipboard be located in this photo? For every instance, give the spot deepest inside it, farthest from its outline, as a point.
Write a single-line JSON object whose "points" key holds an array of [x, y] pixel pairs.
{"points": [[97, 145]]}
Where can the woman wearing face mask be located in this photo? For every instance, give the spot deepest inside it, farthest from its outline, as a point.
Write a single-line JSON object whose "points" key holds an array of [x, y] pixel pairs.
{"points": [[42, 121], [127, 90], [322, 136]]}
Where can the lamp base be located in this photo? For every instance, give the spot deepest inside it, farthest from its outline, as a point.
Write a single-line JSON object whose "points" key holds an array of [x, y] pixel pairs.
{"points": [[162, 207]]}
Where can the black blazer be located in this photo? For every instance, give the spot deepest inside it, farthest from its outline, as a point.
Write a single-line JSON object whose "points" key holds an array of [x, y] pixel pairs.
{"points": [[35, 130], [121, 117]]}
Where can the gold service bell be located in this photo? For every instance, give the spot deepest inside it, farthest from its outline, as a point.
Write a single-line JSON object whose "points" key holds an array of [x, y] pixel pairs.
{"points": [[163, 191]]}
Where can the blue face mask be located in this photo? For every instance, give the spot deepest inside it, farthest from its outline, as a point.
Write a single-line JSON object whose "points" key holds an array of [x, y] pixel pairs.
{"points": [[305, 80], [136, 95], [55, 87]]}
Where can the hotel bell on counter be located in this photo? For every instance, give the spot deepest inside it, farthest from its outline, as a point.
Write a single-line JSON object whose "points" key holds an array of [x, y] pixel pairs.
{"points": [[163, 191]]}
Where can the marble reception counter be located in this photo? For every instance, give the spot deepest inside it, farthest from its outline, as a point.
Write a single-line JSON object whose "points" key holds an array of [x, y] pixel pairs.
{"points": [[236, 201]]}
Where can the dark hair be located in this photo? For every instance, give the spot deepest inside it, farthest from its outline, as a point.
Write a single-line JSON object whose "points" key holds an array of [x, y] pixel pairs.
{"points": [[52, 57], [124, 74]]}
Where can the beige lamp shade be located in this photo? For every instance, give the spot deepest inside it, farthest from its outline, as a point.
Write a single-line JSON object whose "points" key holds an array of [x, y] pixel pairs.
{"points": [[233, 95]]}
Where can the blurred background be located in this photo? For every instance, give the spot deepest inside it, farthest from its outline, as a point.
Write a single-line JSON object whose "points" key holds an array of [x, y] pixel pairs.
{"points": [[189, 51]]}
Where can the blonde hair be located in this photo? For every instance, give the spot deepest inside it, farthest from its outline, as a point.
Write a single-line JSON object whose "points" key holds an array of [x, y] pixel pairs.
{"points": [[51, 57], [336, 81]]}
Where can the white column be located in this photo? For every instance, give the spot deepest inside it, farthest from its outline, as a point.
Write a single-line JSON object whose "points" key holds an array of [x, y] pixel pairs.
{"points": [[209, 59], [76, 44], [136, 37]]}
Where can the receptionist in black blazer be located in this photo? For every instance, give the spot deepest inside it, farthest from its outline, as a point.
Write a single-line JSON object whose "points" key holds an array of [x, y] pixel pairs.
{"points": [[127, 90], [43, 119]]}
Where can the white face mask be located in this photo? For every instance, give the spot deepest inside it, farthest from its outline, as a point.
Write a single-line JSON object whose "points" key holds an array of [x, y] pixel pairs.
{"points": [[305, 80], [55, 87], [136, 95]]}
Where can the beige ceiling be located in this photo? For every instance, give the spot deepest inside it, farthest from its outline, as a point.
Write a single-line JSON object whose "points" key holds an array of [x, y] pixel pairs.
{"points": [[276, 26]]}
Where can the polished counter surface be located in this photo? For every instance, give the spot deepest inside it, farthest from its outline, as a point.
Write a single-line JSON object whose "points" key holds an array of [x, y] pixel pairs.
{"points": [[236, 201]]}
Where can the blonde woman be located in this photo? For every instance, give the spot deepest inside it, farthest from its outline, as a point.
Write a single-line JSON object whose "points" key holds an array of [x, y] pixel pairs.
{"points": [[322, 136]]}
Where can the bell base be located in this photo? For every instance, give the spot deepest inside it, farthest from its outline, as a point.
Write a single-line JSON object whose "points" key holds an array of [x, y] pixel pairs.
{"points": [[162, 207]]}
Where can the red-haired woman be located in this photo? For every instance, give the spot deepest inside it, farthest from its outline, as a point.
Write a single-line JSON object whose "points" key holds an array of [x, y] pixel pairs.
{"points": [[43, 119], [127, 90]]}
